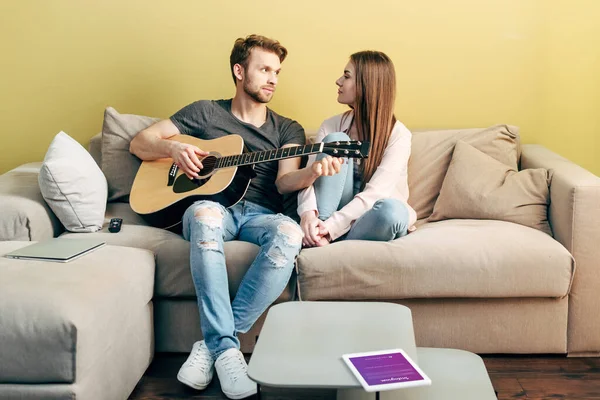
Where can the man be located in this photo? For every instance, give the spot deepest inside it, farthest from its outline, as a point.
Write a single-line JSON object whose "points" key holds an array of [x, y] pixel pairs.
{"points": [[255, 65]]}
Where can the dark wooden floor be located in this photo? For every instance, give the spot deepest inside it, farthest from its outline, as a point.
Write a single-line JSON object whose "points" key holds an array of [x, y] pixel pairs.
{"points": [[514, 377]]}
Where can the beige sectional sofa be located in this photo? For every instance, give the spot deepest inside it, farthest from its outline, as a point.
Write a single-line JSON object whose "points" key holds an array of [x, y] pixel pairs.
{"points": [[81, 330], [484, 285]]}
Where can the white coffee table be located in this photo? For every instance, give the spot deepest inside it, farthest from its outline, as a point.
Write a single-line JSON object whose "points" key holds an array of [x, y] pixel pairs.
{"points": [[301, 344]]}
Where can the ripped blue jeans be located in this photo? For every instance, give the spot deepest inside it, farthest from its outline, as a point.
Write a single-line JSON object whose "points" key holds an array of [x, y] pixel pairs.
{"points": [[207, 225]]}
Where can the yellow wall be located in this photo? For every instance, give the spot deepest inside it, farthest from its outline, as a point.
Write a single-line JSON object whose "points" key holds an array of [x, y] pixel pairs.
{"points": [[465, 63]]}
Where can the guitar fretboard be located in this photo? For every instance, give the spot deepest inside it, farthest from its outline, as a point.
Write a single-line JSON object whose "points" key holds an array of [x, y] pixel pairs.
{"points": [[268, 155]]}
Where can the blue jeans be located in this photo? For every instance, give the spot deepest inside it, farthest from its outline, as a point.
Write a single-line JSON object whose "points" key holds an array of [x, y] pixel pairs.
{"points": [[207, 225], [386, 220]]}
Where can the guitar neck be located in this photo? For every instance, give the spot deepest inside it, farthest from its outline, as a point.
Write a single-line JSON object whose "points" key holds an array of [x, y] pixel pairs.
{"points": [[257, 157]]}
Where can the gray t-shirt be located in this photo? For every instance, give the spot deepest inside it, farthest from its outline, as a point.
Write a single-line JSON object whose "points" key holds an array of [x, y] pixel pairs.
{"points": [[209, 119]]}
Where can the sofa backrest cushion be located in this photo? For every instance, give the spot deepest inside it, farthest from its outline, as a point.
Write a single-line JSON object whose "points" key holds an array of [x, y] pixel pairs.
{"points": [[118, 164], [432, 151], [478, 187], [73, 185]]}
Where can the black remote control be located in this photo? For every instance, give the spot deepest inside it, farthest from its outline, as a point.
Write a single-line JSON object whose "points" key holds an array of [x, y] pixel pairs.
{"points": [[115, 225]]}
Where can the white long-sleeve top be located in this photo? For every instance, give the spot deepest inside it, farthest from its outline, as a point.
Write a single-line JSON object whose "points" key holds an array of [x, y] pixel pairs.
{"points": [[390, 180]]}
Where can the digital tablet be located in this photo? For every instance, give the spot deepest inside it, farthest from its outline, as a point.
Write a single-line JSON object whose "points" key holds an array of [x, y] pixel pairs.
{"points": [[385, 370]]}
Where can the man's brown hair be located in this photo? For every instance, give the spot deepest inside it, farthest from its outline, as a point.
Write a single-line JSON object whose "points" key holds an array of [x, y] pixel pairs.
{"points": [[242, 48]]}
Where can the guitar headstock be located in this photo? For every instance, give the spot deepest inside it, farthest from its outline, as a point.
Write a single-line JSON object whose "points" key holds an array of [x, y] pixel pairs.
{"points": [[347, 148]]}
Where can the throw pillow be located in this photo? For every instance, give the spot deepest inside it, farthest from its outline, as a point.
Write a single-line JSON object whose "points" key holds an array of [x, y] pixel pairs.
{"points": [[431, 152], [118, 164], [73, 185], [479, 187]]}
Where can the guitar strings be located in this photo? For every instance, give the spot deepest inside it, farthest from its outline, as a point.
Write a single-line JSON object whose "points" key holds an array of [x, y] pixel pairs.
{"points": [[212, 161]]}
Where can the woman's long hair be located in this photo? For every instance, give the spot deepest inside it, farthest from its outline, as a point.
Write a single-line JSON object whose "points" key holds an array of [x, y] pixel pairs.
{"points": [[374, 110]]}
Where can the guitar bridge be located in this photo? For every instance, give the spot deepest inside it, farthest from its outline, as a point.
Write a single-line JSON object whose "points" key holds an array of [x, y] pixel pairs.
{"points": [[172, 174]]}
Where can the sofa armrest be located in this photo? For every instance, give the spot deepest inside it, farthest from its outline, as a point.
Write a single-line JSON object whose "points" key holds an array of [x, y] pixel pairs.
{"points": [[575, 219], [24, 214]]}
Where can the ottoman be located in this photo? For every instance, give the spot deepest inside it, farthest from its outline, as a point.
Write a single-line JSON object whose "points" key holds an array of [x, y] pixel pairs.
{"points": [[77, 330]]}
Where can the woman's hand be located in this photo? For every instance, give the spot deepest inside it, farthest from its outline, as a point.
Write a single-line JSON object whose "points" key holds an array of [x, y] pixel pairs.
{"points": [[310, 228], [324, 234], [314, 230], [185, 156]]}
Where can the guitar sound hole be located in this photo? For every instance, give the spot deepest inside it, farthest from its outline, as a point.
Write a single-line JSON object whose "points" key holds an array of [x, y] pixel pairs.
{"points": [[208, 163], [184, 184]]}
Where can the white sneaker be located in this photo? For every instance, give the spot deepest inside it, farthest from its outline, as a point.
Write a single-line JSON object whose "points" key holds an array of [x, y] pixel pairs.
{"points": [[197, 371], [233, 375]]}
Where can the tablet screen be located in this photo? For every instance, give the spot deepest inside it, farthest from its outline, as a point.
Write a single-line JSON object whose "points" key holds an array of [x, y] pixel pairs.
{"points": [[382, 369]]}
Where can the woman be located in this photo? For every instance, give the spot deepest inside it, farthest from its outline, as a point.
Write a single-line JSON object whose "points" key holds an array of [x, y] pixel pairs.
{"points": [[367, 199]]}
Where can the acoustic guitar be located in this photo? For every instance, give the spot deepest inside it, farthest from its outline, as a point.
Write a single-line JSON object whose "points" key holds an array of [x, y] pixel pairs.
{"points": [[161, 192]]}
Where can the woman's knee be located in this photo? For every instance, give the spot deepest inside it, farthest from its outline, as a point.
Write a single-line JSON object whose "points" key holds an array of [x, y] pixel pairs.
{"points": [[390, 212], [335, 136]]}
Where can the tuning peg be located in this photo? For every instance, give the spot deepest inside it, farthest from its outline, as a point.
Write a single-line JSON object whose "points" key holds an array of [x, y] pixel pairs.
{"points": [[335, 151], [348, 143], [346, 152], [337, 143], [356, 152], [358, 143]]}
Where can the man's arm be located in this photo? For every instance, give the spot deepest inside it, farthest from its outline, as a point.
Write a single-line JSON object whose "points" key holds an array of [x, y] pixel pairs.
{"points": [[152, 144], [290, 177], [149, 144]]}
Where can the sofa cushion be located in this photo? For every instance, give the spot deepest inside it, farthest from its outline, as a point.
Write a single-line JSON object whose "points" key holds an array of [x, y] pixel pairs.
{"points": [[25, 214], [59, 318], [118, 164], [73, 185], [478, 187], [173, 275], [453, 258], [431, 152]]}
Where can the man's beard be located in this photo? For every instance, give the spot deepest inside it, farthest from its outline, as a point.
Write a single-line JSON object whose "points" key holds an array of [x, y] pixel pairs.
{"points": [[257, 94]]}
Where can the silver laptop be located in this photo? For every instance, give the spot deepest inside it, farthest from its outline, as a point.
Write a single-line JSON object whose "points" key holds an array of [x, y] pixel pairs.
{"points": [[57, 250]]}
